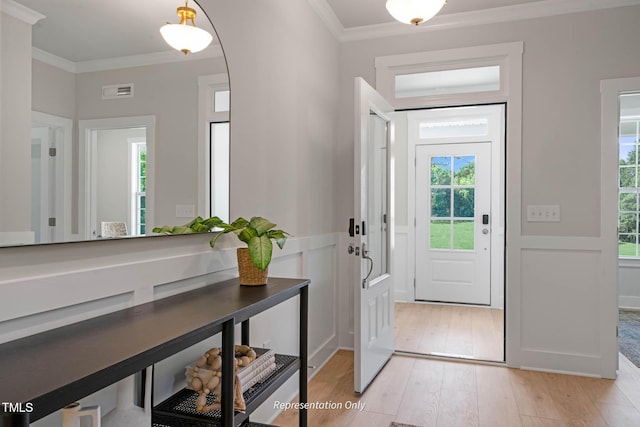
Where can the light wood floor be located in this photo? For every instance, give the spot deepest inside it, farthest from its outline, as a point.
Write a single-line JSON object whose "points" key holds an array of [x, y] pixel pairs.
{"points": [[426, 392], [467, 331]]}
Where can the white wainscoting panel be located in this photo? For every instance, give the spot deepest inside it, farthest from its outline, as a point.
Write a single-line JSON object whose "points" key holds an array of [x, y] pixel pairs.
{"points": [[629, 284], [403, 267], [561, 307], [102, 283]]}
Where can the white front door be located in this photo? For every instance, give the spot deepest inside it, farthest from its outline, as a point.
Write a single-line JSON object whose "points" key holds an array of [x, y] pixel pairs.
{"points": [[453, 223], [372, 230]]}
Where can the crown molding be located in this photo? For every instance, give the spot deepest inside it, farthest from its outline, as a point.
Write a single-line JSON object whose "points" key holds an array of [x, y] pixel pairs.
{"points": [[53, 60], [519, 12], [123, 61], [328, 16], [23, 13]]}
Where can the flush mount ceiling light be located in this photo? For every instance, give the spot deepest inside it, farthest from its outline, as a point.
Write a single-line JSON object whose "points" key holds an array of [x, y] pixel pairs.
{"points": [[185, 36], [414, 12]]}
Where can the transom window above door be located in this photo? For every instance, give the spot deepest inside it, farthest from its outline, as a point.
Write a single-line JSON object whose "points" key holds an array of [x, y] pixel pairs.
{"points": [[454, 128], [447, 82], [464, 76]]}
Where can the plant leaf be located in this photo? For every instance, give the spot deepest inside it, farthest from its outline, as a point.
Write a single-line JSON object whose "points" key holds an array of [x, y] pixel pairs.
{"points": [[279, 236], [165, 229], [196, 220], [215, 237], [261, 225], [239, 223], [260, 250], [213, 222], [246, 234]]}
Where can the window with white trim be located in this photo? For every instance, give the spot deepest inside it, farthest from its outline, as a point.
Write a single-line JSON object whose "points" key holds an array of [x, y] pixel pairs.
{"points": [[138, 187], [628, 180], [214, 106]]}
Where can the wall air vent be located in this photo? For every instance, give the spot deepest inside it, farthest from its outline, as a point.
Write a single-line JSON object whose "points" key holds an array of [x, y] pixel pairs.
{"points": [[117, 91]]}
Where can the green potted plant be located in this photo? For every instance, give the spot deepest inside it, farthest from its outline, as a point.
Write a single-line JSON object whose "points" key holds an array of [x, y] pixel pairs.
{"points": [[257, 233]]}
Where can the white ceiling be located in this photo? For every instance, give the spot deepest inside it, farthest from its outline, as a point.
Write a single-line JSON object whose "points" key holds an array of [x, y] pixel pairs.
{"points": [[96, 29], [88, 30], [358, 13]]}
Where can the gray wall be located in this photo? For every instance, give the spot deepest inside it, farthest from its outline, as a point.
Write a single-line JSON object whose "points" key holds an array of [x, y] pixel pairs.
{"points": [[292, 103], [15, 125], [167, 91], [284, 84], [565, 57], [554, 269], [283, 131]]}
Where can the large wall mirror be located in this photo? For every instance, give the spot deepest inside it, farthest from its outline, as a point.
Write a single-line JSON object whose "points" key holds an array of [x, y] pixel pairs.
{"points": [[121, 132]]}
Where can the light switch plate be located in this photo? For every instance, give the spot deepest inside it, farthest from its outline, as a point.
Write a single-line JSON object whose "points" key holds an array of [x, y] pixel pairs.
{"points": [[185, 211], [543, 213]]}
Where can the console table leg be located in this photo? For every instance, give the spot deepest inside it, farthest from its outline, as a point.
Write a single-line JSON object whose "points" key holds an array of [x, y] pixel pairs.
{"points": [[14, 419], [228, 356], [304, 356], [245, 332]]}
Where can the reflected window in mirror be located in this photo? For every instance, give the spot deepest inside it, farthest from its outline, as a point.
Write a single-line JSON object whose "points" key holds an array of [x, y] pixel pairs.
{"points": [[138, 184], [49, 198], [215, 103]]}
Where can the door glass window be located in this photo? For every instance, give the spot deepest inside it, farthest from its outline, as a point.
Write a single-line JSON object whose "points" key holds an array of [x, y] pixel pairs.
{"points": [[219, 169], [452, 202], [454, 128], [377, 241]]}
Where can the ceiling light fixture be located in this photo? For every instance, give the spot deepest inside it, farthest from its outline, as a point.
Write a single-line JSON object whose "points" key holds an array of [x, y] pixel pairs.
{"points": [[414, 12], [185, 36]]}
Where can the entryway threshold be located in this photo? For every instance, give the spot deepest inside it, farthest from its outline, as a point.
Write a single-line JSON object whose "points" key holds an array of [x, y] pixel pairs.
{"points": [[450, 357]]}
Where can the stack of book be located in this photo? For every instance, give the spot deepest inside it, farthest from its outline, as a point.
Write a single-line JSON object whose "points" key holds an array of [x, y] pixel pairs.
{"points": [[258, 370], [248, 376]]}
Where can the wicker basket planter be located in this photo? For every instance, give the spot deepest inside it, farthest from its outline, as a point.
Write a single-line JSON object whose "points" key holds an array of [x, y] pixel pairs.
{"points": [[250, 275]]}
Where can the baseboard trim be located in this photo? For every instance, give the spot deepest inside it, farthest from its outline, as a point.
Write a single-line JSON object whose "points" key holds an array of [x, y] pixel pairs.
{"points": [[629, 302]]}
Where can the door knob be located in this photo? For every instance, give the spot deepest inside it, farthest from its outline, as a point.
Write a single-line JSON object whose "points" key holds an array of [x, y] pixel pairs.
{"points": [[485, 231]]}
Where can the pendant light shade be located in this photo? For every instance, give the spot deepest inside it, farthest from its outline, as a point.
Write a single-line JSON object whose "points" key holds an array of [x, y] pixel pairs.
{"points": [[185, 36], [414, 11]]}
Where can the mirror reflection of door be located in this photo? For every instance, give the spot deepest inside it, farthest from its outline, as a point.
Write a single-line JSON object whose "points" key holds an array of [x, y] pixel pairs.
{"points": [[121, 179], [117, 159], [73, 59]]}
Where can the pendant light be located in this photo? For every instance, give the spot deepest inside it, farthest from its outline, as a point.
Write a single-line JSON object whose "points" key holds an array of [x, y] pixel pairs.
{"points": [[185, 36], [414, 11]]}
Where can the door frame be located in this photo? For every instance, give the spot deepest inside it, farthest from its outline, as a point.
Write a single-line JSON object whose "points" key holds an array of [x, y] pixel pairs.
{"points": [[610, 89], [63, 176], [498, 185], [509, 57]]}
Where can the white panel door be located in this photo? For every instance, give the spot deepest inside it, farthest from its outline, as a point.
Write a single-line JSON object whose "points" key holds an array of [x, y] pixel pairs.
{"points": [[373, 233], [453, 205]]}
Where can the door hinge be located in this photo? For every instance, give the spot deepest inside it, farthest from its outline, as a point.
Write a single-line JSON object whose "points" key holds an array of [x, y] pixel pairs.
{"points": [[414, 284], [52, 152], [617, 332], [52, 222]]}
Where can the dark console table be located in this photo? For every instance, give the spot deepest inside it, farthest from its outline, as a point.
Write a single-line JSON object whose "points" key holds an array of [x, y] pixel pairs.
{"points": [[42, 373]]}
